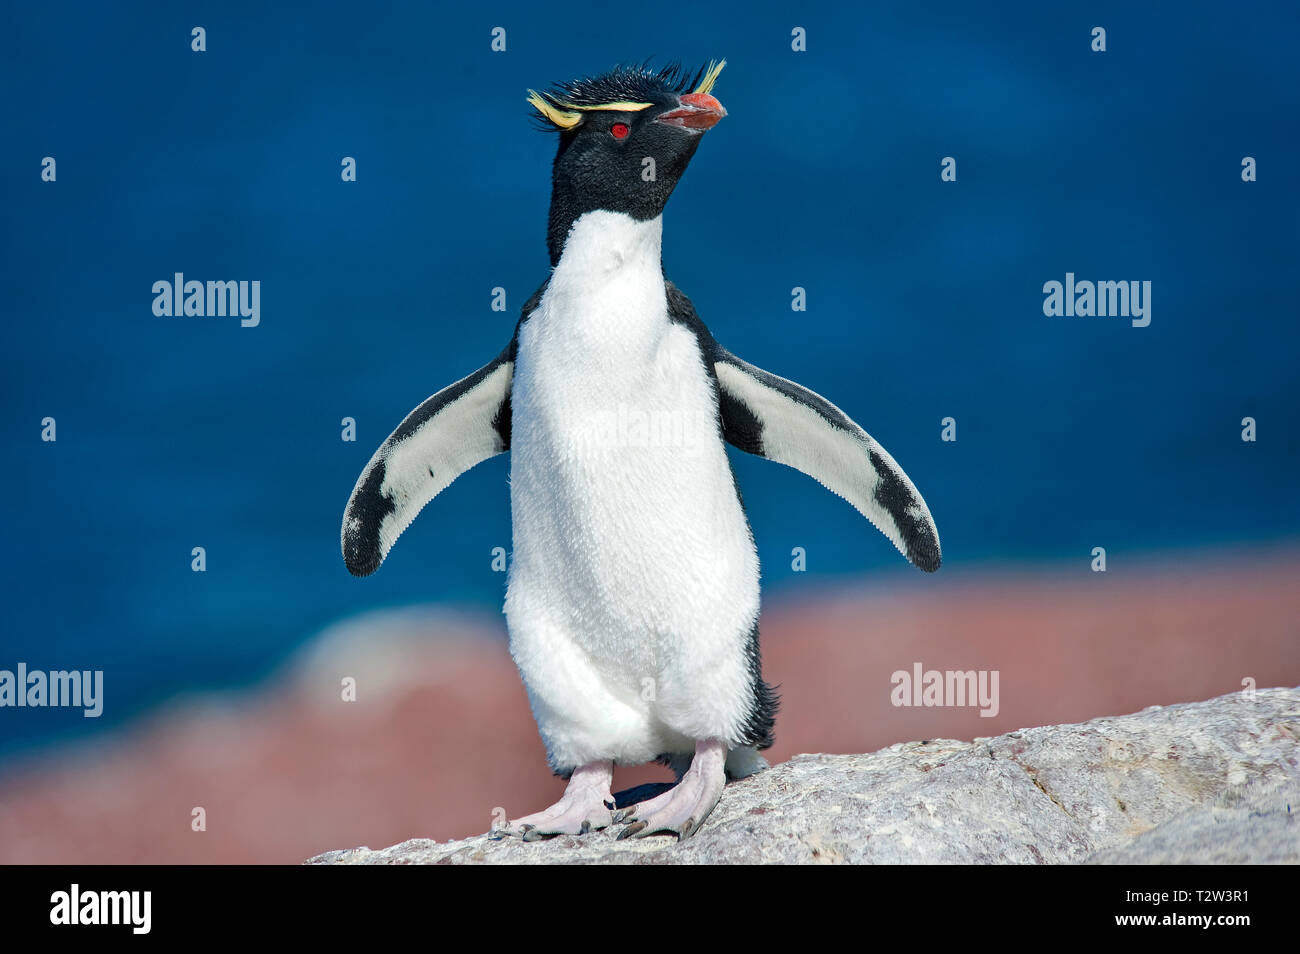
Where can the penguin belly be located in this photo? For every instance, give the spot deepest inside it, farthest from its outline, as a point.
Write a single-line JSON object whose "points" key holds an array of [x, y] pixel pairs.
{"points": [[633, 583]]}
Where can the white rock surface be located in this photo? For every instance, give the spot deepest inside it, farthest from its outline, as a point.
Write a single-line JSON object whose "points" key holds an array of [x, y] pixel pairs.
{"points": [[1215, 781]]}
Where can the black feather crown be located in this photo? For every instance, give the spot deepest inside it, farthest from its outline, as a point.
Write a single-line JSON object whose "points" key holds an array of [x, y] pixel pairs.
{"points": [[626, 88]]}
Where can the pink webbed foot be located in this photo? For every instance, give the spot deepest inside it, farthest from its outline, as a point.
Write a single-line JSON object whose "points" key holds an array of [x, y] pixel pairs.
{"points": [[586, 805], [683, 808]]}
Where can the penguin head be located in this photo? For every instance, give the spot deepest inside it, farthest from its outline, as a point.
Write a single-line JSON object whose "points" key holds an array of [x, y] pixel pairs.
{"points": [[626, 137]]}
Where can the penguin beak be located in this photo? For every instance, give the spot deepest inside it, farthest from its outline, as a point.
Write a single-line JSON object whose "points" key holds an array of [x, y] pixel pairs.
{"points": [[697, 112]]}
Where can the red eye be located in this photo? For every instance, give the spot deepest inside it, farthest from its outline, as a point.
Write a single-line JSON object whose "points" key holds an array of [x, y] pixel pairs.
{"points": [[619, 130]]}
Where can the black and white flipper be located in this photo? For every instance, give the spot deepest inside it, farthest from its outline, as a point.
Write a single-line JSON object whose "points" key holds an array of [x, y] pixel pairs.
{"points": [[460, 426], [782, 421]]}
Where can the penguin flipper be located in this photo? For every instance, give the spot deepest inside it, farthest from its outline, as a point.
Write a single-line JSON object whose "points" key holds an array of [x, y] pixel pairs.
{"points": [[462, 425], [771, 417]]}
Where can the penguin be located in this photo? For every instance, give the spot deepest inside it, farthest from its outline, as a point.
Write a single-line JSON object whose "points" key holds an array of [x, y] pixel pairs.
{"points": [[632, 592]]}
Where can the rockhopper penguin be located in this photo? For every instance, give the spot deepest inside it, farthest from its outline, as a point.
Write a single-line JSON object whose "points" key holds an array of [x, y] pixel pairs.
{"points": [[632, 598]]}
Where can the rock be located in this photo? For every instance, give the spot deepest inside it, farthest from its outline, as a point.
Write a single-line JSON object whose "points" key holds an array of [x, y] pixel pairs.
{"points": [[1240, 827], [1213, 781]]}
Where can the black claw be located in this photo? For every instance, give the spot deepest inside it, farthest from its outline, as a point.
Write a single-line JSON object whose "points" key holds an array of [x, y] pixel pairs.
{"points": [[631, 830], [610, 804], [586, 828]]}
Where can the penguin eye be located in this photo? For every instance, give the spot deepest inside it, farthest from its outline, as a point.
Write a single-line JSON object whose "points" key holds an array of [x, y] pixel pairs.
{"points": [[619, 130]]}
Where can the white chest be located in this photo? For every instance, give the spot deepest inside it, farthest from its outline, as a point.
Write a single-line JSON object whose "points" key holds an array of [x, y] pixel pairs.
{"points": [[627, 529]]}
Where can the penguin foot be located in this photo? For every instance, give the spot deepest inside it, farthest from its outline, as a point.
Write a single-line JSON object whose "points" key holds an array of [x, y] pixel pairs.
{"points": [[682, 809], [586, 805]]}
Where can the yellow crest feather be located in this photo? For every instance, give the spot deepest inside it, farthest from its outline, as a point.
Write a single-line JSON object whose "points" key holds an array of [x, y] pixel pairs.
{"points": [[564, 118], [621, 107], [710, 77], [567, 115]]}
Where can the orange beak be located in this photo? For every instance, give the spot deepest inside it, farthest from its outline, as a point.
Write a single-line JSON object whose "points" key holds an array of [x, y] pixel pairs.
{"points": [[698, 111]]}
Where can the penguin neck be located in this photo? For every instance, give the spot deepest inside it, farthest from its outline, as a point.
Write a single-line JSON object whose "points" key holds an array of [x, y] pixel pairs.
{"points": [[600, 244], [565, 214], [606, 299]]}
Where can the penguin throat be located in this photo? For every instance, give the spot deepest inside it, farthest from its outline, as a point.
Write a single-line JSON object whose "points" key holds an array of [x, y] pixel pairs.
{"points": [[566, 213], [600, 243]]}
